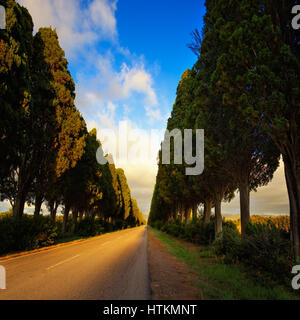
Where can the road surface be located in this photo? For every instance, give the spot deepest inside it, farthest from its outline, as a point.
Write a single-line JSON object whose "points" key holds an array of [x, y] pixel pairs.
{"points": [[110, 267]]}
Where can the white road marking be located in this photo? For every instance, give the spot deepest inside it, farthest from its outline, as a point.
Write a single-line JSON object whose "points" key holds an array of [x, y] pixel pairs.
{"points": [[58, 264], [104, 243]]}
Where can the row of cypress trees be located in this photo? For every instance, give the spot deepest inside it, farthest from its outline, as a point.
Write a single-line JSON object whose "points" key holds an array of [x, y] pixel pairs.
{"points": [[47, 154], [244, 92]]}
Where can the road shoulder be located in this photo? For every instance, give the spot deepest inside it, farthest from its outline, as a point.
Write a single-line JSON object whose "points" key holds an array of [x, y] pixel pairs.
{"points": [[170, 278]]}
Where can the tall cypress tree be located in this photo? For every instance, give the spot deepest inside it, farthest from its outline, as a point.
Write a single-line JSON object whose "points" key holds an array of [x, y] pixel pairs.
{"points": [[254, 157], [68, 131], [126, 195], [16, 105], [263, 61]]}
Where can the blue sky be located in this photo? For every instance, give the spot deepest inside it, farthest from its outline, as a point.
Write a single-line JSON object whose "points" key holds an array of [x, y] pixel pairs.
{"points": [[160, 30], [127, 57], [154, 34]]}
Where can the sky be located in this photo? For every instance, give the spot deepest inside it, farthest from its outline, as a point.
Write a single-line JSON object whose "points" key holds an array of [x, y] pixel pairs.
{"points": [[127, 57]]}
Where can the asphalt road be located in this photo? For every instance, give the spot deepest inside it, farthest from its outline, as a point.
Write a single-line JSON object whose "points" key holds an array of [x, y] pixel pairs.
{"points": [[109, 267]]}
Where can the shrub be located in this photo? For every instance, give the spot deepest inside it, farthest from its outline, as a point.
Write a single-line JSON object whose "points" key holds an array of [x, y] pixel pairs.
{"points": [[108, 227], [99, 228], [190, 231], [195, 231], [119, 225], [158, 224], [200, 233], [230, 244], [175, 228], [26, 233], [86, 227], [267, 250]]}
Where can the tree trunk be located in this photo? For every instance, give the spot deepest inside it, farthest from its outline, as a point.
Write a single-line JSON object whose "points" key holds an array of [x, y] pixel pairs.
{"points": [[218, 216], [75, 216], [244, 205], [19, 204], [53, 210], [292, 175], [80, 215], [65, 220], [51, 206], [194, 209], [207, 210], [183, 214], [187, 214], [38, 204], [174, 213]]}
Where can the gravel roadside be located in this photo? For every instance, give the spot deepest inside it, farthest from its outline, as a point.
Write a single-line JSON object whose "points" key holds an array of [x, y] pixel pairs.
{"points": [[170, 279]]}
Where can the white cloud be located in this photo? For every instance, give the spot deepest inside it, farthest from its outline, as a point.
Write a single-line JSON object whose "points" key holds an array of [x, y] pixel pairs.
{"points": [[153, 113], [111, 85], [77, 26], [102, 13], [137, 79]]}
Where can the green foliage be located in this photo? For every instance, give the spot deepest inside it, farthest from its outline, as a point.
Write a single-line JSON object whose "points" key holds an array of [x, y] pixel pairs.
{"points": [[26, 233], [174, 228], [196, 230], [267, 250], [126, 195], [157, 224], [137, 216], [201, 232], [16, 120], [69, 139], [89, 227], [230, 244]]}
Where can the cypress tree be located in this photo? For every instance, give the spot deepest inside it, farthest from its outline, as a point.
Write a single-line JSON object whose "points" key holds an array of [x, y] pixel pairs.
{"points": [[16, 106]]}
